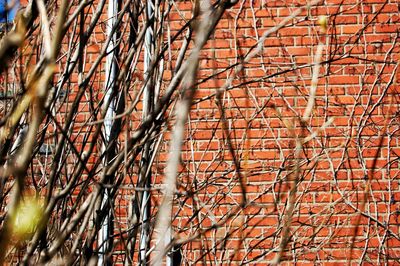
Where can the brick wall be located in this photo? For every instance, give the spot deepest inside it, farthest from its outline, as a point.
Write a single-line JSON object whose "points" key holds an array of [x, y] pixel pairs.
{"points": [[334, 175], [353, 156]]}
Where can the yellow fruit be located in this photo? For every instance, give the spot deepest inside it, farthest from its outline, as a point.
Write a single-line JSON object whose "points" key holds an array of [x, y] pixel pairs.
{"points": [[27, 217], [323, 22]]}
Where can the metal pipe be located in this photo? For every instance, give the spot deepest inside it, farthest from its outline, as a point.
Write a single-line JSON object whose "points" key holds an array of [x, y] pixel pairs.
{"points": [[110, 75], [145, 176]]}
